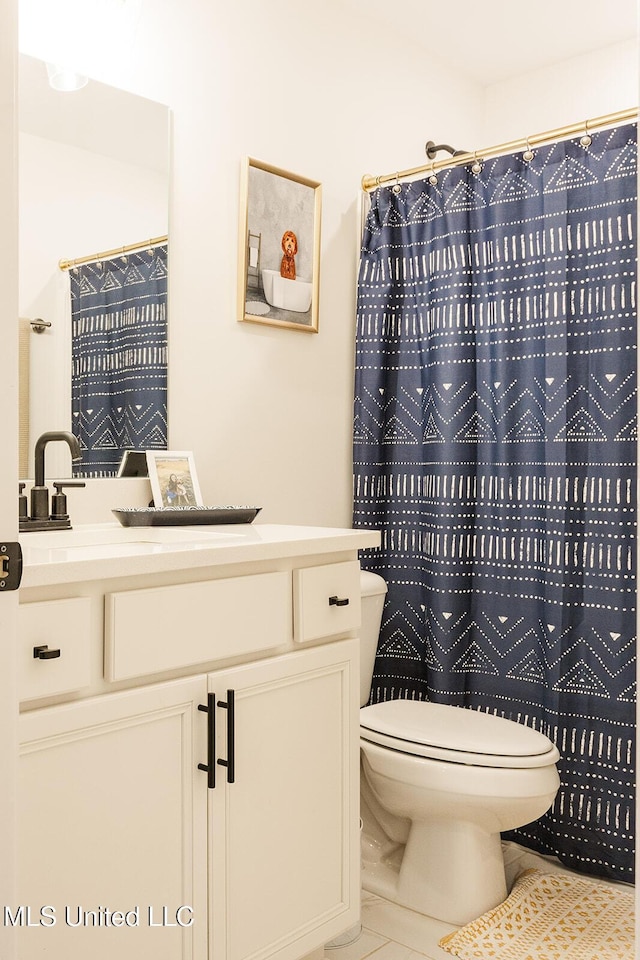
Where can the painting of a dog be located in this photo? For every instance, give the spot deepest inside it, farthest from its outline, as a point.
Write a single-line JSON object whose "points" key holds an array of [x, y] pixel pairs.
{"points": [[283, 210], [290, 248]]}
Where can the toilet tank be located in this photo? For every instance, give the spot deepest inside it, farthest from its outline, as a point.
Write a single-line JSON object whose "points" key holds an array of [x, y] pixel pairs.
{"points": [[373, 590]]}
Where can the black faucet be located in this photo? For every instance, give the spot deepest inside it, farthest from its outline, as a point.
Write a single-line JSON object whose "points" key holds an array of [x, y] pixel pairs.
{"points": [[41, 518]]}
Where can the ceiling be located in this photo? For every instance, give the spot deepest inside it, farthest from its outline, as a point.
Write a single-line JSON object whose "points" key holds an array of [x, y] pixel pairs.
{"points": [[492, 40]]}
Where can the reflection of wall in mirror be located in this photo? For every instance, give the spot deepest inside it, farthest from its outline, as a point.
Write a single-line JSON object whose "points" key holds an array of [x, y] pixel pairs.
{"points": [[73, 202]]}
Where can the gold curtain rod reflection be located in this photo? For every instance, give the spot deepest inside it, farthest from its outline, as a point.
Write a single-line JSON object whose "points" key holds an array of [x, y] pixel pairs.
{"points": [[610, 119], [107, 254]]}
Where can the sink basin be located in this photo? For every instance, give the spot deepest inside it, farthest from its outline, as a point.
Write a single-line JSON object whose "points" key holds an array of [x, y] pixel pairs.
{"points": [[101, 536], [108, 542]]}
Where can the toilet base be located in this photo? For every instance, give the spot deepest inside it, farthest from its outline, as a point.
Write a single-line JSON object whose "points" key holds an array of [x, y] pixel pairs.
{"points": [[464, 878]]}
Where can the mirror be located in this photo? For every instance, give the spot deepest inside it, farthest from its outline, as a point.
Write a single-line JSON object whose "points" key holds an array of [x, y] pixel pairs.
{"points": [[93, 177]]}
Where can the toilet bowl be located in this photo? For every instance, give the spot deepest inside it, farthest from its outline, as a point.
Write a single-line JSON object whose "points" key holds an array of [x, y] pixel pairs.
{"points": [[438, 785]]}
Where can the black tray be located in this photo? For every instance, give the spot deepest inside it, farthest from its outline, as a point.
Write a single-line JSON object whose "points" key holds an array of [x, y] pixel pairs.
{"points": [[184, 516]]}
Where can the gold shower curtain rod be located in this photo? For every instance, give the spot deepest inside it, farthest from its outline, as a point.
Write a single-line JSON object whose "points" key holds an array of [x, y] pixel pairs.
{"points": [[107, 254], [560, 133]]}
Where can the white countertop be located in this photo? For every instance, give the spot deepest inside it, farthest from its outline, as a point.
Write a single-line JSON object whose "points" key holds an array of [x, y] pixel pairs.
{"points": [[101, 551]]}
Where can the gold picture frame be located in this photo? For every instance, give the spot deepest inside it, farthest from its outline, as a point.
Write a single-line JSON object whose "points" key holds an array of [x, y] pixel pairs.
{"points": [[279, 248]]}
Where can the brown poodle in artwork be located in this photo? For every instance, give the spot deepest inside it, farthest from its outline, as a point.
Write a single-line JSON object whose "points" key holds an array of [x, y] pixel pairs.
{"points": [[290, 248]]}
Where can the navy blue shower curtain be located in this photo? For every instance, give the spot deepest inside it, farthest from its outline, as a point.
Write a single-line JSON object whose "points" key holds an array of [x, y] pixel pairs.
{"points": [[494, 447], [119, 358]]}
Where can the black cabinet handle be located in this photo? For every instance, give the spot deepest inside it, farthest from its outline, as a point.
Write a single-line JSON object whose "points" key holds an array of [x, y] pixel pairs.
{"points": [[210, 766], [336, 602], [43, 653], [230, 762]]}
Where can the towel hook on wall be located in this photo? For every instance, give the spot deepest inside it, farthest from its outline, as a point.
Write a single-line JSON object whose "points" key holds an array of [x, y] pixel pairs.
{"points": [[38, 325]]}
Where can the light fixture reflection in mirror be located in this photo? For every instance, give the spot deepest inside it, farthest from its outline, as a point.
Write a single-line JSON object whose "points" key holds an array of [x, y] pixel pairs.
{"points": [[65, 80], [88, 37], [93, 176]]}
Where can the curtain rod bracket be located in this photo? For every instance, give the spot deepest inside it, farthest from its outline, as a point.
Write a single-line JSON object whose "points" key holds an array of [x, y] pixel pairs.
{"points": [[431, 149]]}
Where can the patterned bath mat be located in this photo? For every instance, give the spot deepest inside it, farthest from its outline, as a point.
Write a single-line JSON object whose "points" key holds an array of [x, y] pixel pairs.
{"points": [[551, 916]]}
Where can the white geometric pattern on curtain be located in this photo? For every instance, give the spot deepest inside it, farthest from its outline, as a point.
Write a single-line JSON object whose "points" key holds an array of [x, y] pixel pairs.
{"points": [[119, 358]]}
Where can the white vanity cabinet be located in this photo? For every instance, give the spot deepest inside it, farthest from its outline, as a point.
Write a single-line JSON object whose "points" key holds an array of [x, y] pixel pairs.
{"points": [[111, 818], [189, 782], [283, 838]]}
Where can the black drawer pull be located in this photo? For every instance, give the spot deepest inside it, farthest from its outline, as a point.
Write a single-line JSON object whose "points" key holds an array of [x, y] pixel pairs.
{"points": [[230, 762], [336, 602], [210, 766], [43, 653]]}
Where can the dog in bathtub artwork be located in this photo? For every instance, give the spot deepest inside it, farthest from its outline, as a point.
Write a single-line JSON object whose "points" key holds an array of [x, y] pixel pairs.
{"points": [[283, 212], [282, 288]]}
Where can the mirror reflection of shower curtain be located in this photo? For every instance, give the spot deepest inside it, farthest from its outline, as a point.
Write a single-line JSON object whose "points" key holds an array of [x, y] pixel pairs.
{"points": [[119, 358], [494, 447]]}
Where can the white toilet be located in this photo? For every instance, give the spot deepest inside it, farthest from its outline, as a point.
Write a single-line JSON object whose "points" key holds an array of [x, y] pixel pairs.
{"points": [[438, 784]]}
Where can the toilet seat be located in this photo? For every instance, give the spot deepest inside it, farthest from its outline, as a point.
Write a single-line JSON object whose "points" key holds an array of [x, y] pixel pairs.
{"points": [[454, 734]]}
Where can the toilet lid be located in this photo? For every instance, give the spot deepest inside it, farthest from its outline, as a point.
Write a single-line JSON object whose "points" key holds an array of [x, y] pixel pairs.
{"points": [[454, 734]]}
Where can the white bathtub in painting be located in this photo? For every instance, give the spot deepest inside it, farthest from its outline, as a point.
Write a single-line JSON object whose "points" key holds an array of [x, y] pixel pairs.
{"points": [[287, 294]]}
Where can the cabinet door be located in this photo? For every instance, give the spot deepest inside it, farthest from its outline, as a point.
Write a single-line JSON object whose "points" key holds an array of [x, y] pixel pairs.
{"points": [[112, 827], [284, 838]]}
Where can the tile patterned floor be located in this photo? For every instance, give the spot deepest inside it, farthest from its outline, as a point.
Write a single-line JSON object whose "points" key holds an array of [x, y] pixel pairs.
{"points": [[391, 932]]}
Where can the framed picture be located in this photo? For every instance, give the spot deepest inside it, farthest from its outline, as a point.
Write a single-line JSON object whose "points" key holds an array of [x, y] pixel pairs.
{"points": [[279, 250], [173, 479]]}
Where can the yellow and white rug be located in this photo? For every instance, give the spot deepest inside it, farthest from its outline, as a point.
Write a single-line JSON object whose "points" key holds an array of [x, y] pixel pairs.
{"points": [[552, 916]]}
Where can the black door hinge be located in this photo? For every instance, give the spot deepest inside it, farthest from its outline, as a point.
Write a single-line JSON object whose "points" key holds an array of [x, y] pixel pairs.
{"points": [[10, 566]]}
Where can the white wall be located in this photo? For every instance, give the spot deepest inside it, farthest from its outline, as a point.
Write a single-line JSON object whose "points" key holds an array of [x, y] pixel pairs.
{"points": [[268, 412], [598, 83], [329, 96], [8, 474]]}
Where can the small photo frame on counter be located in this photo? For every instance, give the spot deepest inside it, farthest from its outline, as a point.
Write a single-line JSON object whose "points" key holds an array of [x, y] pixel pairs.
{"points": [[173, 478]]}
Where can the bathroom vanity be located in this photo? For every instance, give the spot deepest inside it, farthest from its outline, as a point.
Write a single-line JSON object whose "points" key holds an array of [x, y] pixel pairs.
{"points": [[189, 742]]}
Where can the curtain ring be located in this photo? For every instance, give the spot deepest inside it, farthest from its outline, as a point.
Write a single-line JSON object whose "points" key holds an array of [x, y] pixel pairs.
{"points": [[432, 176], [396, 188], [585, 139], [477, 165], [528, 153]]}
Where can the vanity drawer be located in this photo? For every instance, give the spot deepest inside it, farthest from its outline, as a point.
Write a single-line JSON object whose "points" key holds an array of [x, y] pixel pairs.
{"points": [[57, 625], [326, 600], [165, 628]]}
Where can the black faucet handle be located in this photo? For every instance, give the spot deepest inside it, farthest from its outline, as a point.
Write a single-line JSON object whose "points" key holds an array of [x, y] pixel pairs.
{"points": [[59, 499]]}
